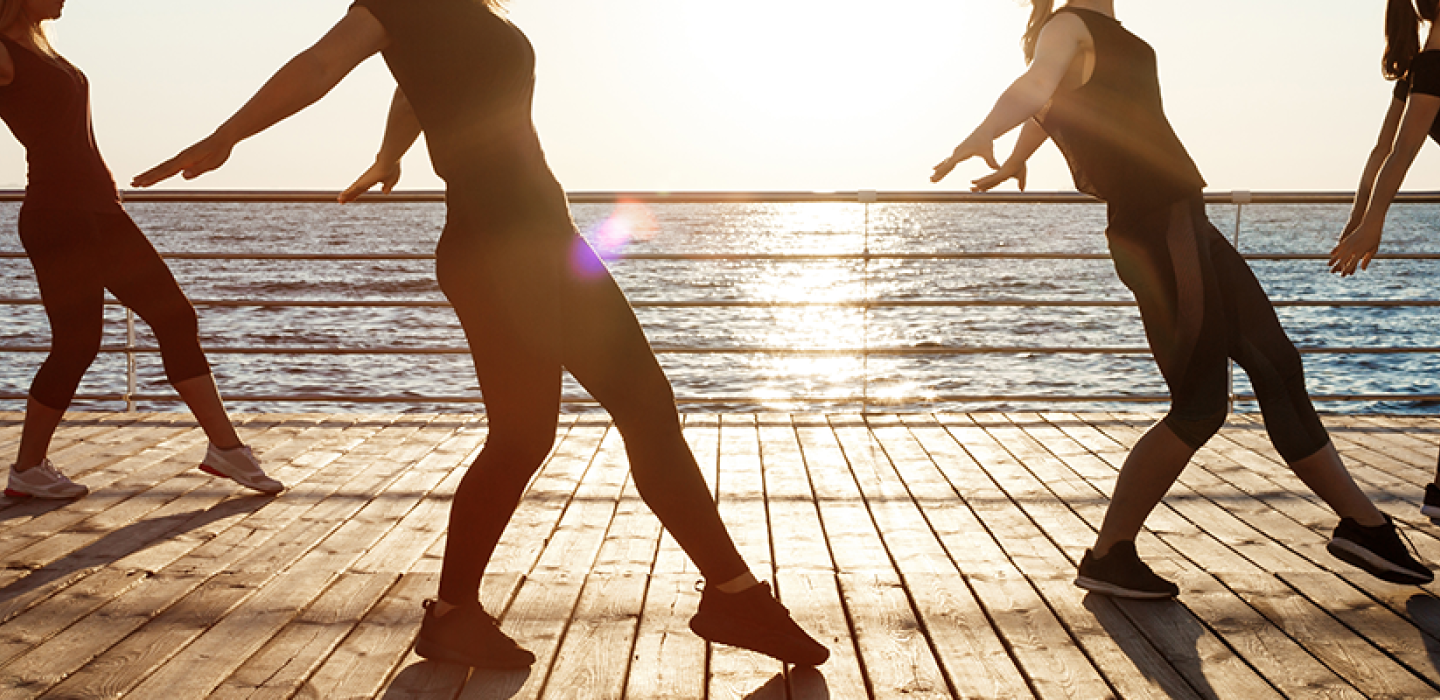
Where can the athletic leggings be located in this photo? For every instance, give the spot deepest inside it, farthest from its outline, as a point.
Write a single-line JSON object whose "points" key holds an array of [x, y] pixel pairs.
{"points": [[77, 255], [1202, 305], [534, 302]]}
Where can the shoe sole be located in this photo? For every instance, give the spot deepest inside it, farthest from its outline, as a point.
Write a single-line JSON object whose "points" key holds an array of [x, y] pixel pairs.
{"points": [[21, 494], [436, 652], [1374, 564], [1110, 589], [1430, 511], [728, 637], [216, 472]]}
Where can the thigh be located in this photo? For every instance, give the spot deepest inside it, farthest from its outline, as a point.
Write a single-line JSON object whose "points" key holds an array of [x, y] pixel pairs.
{"points": [[133, 271], [61, 249], [506, 298], [604, 346]]}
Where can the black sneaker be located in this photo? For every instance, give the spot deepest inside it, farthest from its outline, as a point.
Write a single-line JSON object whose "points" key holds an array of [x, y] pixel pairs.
{"points": [[752, 619], [469, 636], [1431, 508], [1379, 551], [1121, 574]]}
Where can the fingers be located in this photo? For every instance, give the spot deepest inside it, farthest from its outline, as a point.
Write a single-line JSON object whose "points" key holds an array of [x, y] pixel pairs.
{"points": [[943, 169], [159, 173]]}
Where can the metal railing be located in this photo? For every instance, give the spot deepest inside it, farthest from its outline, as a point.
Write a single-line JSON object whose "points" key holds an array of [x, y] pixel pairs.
{"points": [[1239, 199]]}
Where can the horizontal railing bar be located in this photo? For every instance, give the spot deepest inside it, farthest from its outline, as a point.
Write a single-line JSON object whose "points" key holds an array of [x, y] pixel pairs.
{"points": [[717, 197], [738, 257], [738, 400], [856, 304], [686, 350]]}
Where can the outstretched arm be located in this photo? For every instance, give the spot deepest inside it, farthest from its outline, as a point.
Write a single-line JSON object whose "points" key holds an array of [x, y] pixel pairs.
{"points": [[1060, 42], [401, 130], [302, 81], [1384, 144], [1358, 245], [1032, 137]]}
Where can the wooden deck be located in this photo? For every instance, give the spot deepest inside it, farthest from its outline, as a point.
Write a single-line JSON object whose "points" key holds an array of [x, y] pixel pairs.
{"points": [[933, 553]]}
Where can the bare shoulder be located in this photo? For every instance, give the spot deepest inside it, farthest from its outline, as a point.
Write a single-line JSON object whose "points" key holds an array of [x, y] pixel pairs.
{"points": [[7, 66], [1063, 37]]}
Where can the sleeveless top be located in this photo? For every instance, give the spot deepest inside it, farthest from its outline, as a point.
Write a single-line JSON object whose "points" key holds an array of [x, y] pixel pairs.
{"points": [[1423, 78], [1113, 131], [470, 77], [47, 107]]}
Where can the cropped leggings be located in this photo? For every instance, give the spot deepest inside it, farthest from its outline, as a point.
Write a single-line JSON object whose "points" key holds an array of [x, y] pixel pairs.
{"points": [[1202, 306], [533, 303], [77, 255]]}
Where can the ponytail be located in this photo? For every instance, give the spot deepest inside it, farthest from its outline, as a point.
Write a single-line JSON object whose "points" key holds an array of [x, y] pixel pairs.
{"points": [[1040, 11]]}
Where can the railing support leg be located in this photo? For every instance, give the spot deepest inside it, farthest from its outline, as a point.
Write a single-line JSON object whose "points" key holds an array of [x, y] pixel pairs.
{"points": [[866, 197], [1239, 198], [130, 379]]}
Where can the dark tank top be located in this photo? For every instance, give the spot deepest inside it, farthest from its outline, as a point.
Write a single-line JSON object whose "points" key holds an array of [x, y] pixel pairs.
{"points": [[1112, 130], [47, 107], [1424, 79], [470, 76]]}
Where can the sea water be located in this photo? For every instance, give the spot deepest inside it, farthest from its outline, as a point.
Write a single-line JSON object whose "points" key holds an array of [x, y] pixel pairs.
{"points": [[746, 381]]}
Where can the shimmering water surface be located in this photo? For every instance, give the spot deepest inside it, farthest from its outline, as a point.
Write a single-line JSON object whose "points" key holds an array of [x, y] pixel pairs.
{"points": [[754, 228]]}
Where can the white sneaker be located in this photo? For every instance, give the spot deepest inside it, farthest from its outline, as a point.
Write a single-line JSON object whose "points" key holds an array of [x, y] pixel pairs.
{"points": [[239, 464], [42, 481]]}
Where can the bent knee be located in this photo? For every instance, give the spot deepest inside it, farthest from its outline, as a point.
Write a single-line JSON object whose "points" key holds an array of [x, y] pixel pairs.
{"points": [[1195, 428]]}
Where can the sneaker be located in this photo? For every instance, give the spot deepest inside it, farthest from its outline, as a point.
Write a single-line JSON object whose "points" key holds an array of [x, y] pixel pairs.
{"points": [[42, 481], [239, 464], [1431, 507], [1379, 551], [1121, 574], [469, 636], [752, 619]]}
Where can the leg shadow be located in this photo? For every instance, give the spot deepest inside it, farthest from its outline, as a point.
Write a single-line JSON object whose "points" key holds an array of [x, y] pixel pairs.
{"points": [[1424, 610], [432, 679], [774, 689], [114, 546], [807, 683], [1160, 638]]}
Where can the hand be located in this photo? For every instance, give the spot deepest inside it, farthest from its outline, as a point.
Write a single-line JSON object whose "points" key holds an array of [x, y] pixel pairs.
{"points": [[381, 173], [993, 180], [192, 162], [1356, 248], [968, 149]]}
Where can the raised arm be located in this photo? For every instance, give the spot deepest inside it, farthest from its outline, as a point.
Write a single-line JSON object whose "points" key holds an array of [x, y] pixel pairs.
{"points": [[302, 81], [1060, 42], [401, 130]]}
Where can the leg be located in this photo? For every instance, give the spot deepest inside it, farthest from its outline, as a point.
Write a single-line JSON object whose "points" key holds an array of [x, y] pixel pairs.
{"points": [[503, 297], [57, 243], [1150, 469], [141, 281], [606, 351]]}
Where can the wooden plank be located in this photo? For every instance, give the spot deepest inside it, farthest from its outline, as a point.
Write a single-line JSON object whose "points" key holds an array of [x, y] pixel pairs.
{"points": [[594, 657], [668, 660]]}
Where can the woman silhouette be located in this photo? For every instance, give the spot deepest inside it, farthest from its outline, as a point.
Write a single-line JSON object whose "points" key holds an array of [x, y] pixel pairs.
{"points": [[81, 243], [1410, 117], [1092, 86], [533, 299]]}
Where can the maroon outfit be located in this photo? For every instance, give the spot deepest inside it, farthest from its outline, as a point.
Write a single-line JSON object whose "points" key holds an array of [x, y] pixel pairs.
{"points": [[78, 238]]}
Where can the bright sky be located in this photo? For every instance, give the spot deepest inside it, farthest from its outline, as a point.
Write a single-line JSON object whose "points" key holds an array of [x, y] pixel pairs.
{"points": [[748, 94]]}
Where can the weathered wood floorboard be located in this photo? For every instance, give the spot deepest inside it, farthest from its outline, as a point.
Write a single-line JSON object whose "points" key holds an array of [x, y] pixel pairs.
{"points": [[933, 554]]}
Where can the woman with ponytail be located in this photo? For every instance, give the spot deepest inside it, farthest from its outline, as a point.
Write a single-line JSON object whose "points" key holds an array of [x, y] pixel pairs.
{"points": [[81, 243], [1410, 117], [1092, 86]]}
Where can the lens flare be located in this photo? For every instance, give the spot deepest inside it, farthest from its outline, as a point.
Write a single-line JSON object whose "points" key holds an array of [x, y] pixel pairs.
{"points": [[630, 222]]}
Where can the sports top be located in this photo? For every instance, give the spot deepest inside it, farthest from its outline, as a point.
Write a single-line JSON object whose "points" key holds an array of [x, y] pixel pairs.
{"points": [[1112, 130], [470, 77], [1423, 78], [47, 107]]}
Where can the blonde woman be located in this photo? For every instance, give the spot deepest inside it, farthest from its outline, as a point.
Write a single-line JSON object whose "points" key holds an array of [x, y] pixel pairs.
{"points": [[81, 243], [1411, 116]]}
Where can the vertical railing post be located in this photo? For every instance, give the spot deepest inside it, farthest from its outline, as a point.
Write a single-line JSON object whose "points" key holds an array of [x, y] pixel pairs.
{"points": [[130, 381], [866, 198], [1239, 198]]}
